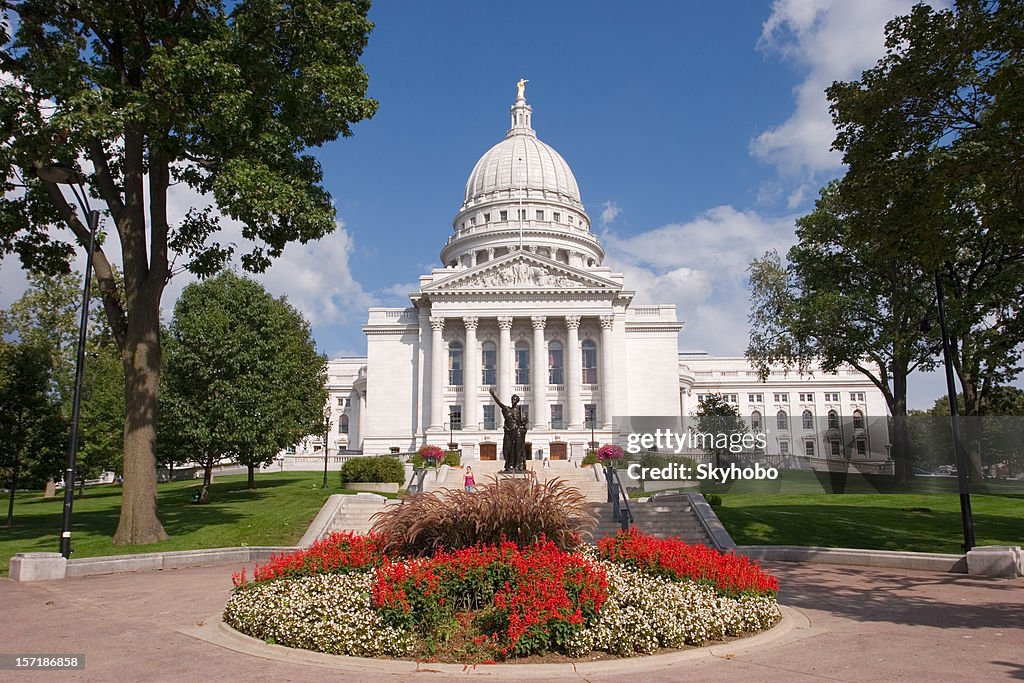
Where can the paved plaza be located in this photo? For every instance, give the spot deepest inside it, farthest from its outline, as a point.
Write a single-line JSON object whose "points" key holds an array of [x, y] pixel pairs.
{"points": [[845, 624]]}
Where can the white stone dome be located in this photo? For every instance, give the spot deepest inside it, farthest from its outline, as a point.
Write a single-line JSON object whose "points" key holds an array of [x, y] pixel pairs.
{"points": [[522, 194], [518, 162]]}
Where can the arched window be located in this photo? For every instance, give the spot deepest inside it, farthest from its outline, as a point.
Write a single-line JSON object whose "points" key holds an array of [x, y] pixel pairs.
{"points": [[589, 349], [781, 420], [858, 420], [555, 364], [455, 364], [833, 419], [488, 364], [808, 420], [522, 363], [755, 421], [343, 424]]}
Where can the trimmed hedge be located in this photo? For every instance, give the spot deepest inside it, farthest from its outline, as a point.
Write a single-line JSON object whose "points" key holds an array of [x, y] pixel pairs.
{"points": [[381, 469]]}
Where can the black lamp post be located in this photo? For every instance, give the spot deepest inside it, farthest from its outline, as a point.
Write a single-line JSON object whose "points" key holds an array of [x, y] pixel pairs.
{"points": [[327, 435], [966, 517], [63, 175]]}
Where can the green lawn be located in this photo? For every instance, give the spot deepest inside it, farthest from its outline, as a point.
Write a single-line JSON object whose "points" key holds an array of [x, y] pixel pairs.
{"points": [[920, 522], [277, 512], [799, 509]]}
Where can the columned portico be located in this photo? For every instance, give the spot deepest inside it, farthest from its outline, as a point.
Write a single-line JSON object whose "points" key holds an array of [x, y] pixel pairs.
{"points": [[438, 381], [607, 376], [472, 375], [539, 383], [574, 371]]}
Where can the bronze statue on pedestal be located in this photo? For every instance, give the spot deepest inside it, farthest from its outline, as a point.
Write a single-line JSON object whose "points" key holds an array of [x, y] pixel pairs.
{"points": [[513, 445]]}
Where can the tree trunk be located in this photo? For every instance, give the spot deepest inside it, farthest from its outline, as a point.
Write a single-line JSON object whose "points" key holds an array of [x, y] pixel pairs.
{"points": [[81, 487], [252, 477], [902, 463], [14, 487], [139, 523], [204, 495], [170, 471]]}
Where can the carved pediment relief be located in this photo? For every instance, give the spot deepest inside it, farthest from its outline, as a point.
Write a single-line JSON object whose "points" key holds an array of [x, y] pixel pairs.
{"points": [[522, 272]]}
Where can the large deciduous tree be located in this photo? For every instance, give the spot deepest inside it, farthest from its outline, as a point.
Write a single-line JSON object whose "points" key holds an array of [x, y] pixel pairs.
{"points": [[224, 97], [30, 417], [940, 118], [722, 421], [242, 375], [845, 298]]}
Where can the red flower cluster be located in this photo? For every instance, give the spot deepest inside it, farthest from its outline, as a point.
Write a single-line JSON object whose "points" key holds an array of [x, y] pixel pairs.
{"points": [[672, 558], [433, 453], [532, 599], [339, 552]]}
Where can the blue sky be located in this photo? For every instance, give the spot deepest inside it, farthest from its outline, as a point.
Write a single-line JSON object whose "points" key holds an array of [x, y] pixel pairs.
{"points": [[698, 132]]}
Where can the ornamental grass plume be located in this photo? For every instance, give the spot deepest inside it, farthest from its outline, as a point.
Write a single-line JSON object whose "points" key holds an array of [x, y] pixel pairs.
{"points": [[515, 510]]}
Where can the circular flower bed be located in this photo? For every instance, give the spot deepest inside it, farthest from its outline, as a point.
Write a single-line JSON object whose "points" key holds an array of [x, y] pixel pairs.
{"points": [[631, 594]]}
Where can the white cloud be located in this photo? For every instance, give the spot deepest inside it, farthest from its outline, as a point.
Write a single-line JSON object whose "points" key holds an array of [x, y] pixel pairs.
{"points": [[609, 212], [701, 267], [832, 40]]}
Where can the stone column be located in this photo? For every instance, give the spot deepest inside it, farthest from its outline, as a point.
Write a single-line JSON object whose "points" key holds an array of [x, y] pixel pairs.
{"points": [[472, 259], [573, 372], [607, 376], [539, 383], [438, 380], [505, 364], [361, 420], [471, 378]]}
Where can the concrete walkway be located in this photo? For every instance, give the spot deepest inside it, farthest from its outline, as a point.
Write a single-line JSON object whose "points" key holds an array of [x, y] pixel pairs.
{"points": [[847, 624]]}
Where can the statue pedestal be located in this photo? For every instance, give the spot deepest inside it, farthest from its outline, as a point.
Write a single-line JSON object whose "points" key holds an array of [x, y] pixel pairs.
{"points": [[503, 475]]}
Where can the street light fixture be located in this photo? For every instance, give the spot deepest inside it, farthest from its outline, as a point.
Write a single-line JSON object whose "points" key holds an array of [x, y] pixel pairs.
{"points": [[327, 436], [64, 175]]}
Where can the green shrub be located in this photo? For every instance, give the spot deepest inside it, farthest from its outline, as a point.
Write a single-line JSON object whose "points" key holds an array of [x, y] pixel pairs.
{"points": [[381, 469], [590, 458], [452, 458], [713, 499], [516, 510], [653, 459]]}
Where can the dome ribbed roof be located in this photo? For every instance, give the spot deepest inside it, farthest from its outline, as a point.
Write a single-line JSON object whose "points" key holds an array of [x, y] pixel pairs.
{"points": [[522, 161]]}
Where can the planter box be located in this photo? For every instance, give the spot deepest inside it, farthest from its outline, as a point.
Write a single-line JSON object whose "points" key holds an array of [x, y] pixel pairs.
{"points": [[373, 487]]}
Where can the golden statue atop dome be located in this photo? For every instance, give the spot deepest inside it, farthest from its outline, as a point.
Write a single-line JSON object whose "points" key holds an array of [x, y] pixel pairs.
{"points": [[521, 86]]}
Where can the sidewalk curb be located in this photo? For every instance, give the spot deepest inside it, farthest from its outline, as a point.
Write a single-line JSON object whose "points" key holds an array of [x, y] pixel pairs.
{"points": [[793, 626]]}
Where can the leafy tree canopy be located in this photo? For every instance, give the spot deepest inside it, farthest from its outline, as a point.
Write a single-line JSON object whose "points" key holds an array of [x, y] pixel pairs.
{"points": [[242, 375], [226, 98]]}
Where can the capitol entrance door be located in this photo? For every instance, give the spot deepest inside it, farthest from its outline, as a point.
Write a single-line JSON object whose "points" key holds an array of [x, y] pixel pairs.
{"points": [[559, 450], [488, 451]]}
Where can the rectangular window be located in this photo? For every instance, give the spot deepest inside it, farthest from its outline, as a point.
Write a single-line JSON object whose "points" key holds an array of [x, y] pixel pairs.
{"points": [[557, 217], [488, 365], [730, 398], [782, 398], [489, 419], [755, 398], [784, 447], [862, 447], [590, 415], [572, 220], [455, 418], [589, 363], [522, 366], [556, 417], [540, 215], [832, 397], [487, 218], [472, 220], [503, 215], [857, 396], [807, 398], [555, 366], [835, 447], [809, 448], [522, 214]]}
